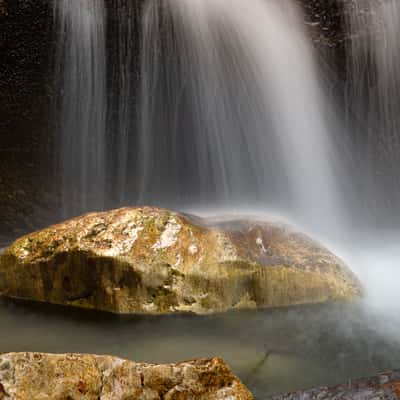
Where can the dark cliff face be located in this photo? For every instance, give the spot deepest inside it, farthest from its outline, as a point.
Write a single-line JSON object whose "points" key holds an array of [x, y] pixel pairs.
{"points": [[27, 94], [26, 41], [26, 35]]}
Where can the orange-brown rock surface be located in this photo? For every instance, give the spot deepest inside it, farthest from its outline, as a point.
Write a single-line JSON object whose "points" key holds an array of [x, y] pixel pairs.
{"points": [[149, 260], [38, 376]]}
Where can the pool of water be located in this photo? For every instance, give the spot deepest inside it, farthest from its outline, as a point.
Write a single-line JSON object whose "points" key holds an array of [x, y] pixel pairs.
{"points": [[271, 351]]}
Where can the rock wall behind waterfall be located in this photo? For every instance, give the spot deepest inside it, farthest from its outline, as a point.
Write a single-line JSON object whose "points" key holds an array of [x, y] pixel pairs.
{"points": [[26, 44]]}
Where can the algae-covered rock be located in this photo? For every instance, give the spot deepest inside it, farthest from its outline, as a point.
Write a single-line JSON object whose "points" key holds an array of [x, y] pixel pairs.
{"points": [[38, 376], [149, 260]]}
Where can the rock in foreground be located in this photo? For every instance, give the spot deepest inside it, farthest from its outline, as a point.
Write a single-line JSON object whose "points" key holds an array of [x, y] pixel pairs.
{"points": [[37, 376], [148, 260], [385, 386]]}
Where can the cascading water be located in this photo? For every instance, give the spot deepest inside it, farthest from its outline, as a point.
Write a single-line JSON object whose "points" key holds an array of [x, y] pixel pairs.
{"points": [[82, 90], [122, 52], [374, 100], [232, 110], [373, 106]]}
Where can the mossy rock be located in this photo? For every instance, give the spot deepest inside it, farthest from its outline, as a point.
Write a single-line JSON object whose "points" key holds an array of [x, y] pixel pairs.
{"points": [[149, 260]]}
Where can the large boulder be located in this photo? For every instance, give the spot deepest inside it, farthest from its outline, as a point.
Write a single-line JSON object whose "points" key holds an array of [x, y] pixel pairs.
{"points": [[37, 376], [149, 260]]}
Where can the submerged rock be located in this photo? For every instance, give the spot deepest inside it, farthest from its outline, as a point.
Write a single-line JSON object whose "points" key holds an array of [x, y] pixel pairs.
{"points": [[37, 376], [149, 260]]}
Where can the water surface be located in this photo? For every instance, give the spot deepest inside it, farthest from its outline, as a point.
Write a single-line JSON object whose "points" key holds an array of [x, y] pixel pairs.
{"points": [[271, 351]]}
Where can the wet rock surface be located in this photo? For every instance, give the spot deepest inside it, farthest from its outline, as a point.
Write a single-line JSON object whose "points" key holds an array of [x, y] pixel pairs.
{"points": [[149, 260], [37, 376], [325, 21], [385, 386]]}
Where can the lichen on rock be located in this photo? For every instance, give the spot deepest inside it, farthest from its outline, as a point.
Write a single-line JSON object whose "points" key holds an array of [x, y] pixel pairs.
{"points": [[150, 260]]}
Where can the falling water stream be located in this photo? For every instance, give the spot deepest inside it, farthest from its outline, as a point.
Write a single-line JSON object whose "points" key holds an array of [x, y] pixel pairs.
{"points": [[230, 114], [81, 81], [121, 101], [374, 102], [232, 110]]}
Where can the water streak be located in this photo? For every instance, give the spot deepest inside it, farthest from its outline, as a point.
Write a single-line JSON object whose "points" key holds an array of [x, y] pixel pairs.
{"points": [[122, 51], [82, 81], [374, 99]]}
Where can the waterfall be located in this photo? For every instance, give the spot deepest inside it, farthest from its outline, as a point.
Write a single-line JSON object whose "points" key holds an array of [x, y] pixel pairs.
{"points": [[232, 111], [81, 82], [374, 99], [122, 57]]}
